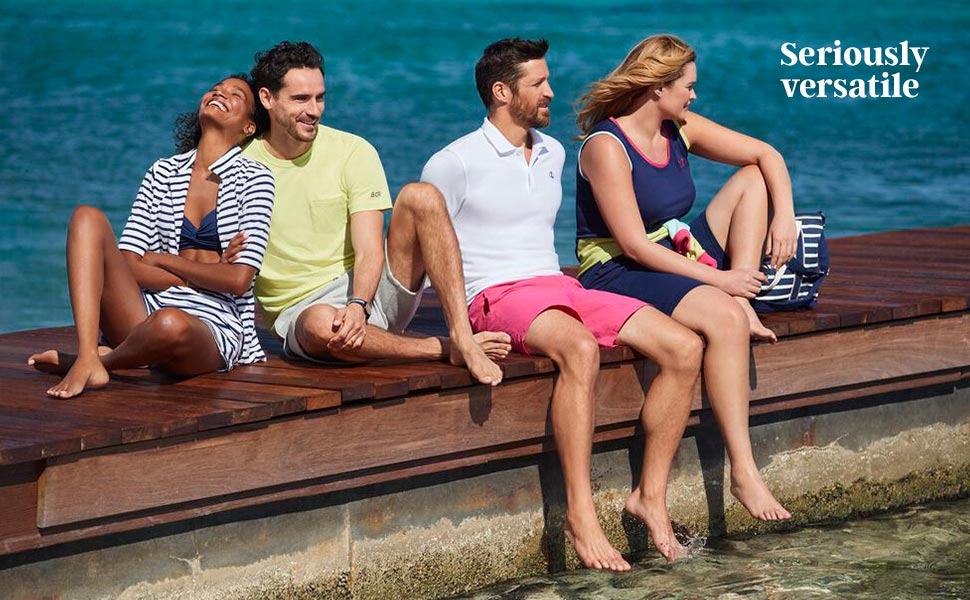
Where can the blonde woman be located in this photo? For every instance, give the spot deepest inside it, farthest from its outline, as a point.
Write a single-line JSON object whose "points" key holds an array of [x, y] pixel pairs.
{"points": [[633, 187]]}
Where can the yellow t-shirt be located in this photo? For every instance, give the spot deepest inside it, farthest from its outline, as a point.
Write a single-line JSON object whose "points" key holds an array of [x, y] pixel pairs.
{"points": [[309, 235]]}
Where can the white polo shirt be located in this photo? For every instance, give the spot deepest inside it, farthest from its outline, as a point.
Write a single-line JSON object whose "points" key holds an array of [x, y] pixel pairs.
{"points": [[502, 208]]}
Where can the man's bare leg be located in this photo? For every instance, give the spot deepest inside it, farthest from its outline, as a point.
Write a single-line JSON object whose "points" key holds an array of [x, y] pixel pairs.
{"points": [[677, 352], [314, 329], [738, 217], [421, 239], [575, 351]]}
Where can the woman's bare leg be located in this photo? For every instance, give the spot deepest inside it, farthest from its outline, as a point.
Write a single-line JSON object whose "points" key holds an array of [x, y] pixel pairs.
{"points": [[714, 314], [104, 296], [738, 218], [177, 342]]}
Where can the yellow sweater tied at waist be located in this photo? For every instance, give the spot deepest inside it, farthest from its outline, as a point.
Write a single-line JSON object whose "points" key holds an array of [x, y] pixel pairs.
{"points": [[594, 251]]}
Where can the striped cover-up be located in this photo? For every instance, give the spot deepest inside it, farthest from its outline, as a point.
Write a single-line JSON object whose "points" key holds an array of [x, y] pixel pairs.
{"points": [[244, 203]]}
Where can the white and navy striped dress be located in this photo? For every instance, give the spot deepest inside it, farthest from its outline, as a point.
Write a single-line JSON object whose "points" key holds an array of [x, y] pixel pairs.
{"points": [[244, 203]]}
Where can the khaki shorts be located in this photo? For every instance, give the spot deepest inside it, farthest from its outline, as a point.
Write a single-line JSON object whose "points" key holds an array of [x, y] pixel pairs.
{"points": [[393, 308]]}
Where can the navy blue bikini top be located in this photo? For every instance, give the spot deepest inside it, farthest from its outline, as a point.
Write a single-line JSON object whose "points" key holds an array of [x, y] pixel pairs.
{"points": [[206, 237]]}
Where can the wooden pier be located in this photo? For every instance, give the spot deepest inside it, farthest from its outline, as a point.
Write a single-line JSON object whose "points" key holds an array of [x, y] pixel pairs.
{"points": [[893, 315]]}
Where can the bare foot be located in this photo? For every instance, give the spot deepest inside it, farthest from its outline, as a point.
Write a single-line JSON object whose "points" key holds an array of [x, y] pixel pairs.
{"points": [[754, 495], [592, 547], [57, 363], [758, 330], [495, 344], [475, 357], [79, 373], [51, 361], [653, 514]]}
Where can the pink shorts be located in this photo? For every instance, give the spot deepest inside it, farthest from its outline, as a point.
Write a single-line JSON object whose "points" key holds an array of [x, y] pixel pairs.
{"points": [[512, 307]]}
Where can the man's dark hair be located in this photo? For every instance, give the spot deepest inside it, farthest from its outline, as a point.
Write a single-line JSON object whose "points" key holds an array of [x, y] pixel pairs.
{"points": [[188, 130], [273, 65], [500, 62]]}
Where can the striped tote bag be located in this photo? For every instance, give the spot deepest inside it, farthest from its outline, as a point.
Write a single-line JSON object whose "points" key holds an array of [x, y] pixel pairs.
{"points": [[795, 284]]}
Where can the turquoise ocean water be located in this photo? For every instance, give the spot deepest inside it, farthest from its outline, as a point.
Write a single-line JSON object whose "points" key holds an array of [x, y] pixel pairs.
{"points": [[89, 90]]}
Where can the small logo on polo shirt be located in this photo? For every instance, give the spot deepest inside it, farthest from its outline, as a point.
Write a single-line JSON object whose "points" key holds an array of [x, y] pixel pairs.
{"points": [[681, 162], [551, 175]]}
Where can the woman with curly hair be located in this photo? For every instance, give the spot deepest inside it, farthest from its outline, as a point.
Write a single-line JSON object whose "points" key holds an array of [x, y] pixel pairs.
{"points": [[175, 291], [633, 187]]}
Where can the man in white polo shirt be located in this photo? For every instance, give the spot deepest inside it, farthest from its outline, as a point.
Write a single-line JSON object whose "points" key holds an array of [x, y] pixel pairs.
{"points": [[501, 184]]}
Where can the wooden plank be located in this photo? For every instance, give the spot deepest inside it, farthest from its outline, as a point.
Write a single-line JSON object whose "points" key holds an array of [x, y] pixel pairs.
{"points": [[24, 440], [861, 355], [617, 354], [164, 410], [18, 499], [953, 295], [930, 267], [937, 239], [521, 365], [145, 423], [899, 310], [284, 399], [854, 313], [854, 392], [781, 323], [131, 426], [350, 389], [933, 238], [447, 375]]}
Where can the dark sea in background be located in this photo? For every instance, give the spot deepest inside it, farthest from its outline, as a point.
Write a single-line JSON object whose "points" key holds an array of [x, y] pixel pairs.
{"points": [[89, 90]]}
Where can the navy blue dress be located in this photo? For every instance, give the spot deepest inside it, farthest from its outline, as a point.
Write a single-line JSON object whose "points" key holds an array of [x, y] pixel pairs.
{"points": [[663, 192]]}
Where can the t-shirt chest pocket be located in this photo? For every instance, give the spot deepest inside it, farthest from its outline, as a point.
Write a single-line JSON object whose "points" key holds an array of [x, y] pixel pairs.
{"points": [[328, 209]]}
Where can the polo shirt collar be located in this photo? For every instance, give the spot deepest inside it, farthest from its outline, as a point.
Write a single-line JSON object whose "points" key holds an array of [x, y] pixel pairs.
{"points": [[503, 147], [219, 167]]}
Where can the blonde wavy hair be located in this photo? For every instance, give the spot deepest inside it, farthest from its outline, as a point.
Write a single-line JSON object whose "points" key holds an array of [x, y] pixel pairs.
{"points": [[657, 60]]}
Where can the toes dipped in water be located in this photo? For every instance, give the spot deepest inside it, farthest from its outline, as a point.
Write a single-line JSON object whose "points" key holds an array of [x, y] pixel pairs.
{"points": [[592, 547], [652, 512]]}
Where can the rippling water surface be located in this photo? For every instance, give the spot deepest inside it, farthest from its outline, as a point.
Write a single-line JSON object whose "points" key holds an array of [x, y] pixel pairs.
{"points": [[917, 554]]}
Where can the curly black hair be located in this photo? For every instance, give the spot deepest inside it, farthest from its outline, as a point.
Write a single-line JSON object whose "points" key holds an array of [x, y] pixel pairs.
{"points": [[188, 131], [273, 65]]}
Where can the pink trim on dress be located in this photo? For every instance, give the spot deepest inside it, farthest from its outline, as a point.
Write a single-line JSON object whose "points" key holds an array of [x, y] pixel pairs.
{"points": [[641, 152]]}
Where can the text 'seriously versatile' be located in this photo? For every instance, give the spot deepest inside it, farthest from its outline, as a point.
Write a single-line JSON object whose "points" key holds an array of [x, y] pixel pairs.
{"points": [[882, 85]]}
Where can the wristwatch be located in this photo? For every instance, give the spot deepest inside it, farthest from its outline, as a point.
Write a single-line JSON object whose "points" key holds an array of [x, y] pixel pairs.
{"points": [[362, 303]]}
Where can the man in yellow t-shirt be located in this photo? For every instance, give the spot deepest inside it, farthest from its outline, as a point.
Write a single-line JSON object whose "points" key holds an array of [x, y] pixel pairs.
{"points": [[332, 288]]}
